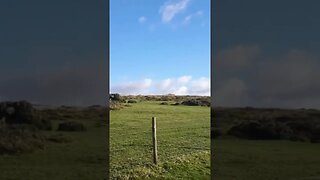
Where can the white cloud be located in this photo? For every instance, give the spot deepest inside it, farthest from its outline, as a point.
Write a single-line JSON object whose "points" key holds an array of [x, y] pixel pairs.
{"points": [[169, 10], [188, 18], [136, 87], [200, 86], [183, 90], [183, 85], [165, 84], [142, 19], [184, 79]]}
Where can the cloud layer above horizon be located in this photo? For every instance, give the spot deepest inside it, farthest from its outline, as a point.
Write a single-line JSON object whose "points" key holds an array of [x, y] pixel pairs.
{"points": [[247, 76], [183, 85]]}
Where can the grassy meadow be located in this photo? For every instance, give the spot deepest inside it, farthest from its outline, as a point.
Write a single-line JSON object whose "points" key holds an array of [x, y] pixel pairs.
{"points": [[65, 155], [183, 134]]}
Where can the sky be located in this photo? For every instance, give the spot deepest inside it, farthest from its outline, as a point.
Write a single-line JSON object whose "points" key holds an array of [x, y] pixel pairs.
{"points": [[160, 47], [266, 53], [54, 52]]}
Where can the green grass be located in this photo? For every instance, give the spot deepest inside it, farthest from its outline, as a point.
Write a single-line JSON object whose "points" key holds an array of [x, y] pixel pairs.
{"points": [[265, 160], [243, 159], [183, 134], [83, 158]]}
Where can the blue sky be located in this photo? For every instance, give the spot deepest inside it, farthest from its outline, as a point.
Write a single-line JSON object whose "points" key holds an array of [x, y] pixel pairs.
{"points": [[160, 47]]}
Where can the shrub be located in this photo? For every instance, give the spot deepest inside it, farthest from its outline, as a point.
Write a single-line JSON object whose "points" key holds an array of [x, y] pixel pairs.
{"points": [[191, 102], [71, 126], [115, 97], [115, 106], [164, 103], [22, 112], [132, 101], [176, 104], [305, 131], [167, 98], [20, 140], [261, 130], [196, 102], [17, 112], [315, 135]]}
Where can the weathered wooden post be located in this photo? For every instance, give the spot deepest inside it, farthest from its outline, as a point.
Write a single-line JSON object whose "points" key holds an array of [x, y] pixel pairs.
{"points": [[154, 139]]}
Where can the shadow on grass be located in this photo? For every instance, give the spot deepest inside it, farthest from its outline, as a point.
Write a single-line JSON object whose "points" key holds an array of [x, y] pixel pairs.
{"points": [[163, 146]]}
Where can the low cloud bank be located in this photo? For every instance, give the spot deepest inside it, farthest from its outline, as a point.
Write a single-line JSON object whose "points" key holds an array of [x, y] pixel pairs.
{"points": [[184, 85], [248, 76]]}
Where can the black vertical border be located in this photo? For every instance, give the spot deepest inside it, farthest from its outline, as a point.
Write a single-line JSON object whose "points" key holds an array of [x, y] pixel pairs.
{"points": [[108, 90], [211, 89]]}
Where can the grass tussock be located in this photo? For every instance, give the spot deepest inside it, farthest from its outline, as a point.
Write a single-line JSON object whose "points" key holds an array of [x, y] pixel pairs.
{"points": [[20, 140]]}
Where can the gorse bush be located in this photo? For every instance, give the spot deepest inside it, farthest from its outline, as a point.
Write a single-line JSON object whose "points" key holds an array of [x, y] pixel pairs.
{"points": [[22, 112], [261, 130], [71, 126], [132, 101], [264, 130], [115, 97], [164, 103], [176, 104], [196, 102], [269, 123]]}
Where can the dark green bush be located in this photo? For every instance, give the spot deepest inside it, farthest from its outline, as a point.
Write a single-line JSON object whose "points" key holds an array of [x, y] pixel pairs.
{"points": [[71, 126], [261, 130], [196, 102], [115, 97], [164, 103], [132, 101], [176, 104], [22, 112]]}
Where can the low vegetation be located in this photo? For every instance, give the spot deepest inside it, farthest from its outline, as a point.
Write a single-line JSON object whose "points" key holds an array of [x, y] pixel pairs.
{"points": [[20, 140], [132, 101], [71, 126], [32, 148], [269, 124], [117, 101], [265, 143], [22, 112]]}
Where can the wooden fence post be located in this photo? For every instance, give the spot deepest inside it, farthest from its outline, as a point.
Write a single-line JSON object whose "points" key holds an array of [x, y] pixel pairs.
{"points": [[154, 140]]}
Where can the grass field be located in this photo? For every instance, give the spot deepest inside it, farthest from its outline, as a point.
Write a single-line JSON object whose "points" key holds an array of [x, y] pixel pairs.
{"points": [[265, 160], [183, 134], [83, 158], [269, 159]]}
